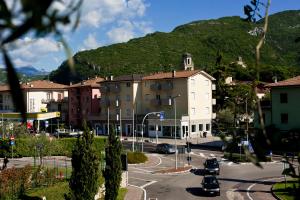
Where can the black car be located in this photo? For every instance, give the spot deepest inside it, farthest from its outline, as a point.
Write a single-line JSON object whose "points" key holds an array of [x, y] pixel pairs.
{"points": [[212, 166], [165, 148], [210, 184]]}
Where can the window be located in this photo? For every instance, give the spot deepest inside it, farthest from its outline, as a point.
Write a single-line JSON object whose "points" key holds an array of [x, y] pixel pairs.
{"points": [[127, 97], [193, 81], [147, 97], [151, 128], [193, 128], [200, 127], [206, 111], [193, 111], [193, 95], [158, 97], [48, 96], [284, 118], [128, 84], [206, 83], [188, 61], [128, 113], [207, 127], [283, 98]]}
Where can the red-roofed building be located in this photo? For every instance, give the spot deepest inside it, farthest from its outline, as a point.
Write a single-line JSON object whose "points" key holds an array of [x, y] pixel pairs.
{"points": [[84, 102]]}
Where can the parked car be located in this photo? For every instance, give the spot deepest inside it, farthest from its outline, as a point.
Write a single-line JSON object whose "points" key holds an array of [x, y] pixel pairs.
{"points": [[212, 166], [210, 184], [165, 148]]}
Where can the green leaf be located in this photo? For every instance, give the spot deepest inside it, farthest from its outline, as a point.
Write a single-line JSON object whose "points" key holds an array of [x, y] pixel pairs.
{"points": [[15, 88]]}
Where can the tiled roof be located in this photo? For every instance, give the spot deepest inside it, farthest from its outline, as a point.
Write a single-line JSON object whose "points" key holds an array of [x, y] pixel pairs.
{"points": [[39, 84], [289, 82], [177, 74], [91, 82]]}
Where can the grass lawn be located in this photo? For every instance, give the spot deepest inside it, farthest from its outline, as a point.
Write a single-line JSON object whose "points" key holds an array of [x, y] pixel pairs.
{"points": [[286, 193], [122, 193], [55, 192]]}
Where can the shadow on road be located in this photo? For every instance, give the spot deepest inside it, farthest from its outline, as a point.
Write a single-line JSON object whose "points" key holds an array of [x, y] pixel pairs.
{"points": [[198, 172], [248, 181], [197, 191]]}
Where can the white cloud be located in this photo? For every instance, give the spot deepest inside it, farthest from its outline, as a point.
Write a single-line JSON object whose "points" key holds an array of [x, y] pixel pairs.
{"points": [[27, 51], [122, 33], [91, 42]]}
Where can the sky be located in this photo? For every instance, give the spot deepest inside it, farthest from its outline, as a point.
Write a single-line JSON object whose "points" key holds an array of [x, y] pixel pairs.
{"points": [[105, 22]]}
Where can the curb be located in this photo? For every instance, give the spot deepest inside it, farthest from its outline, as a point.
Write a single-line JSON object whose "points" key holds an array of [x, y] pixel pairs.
{"points": [[170, 173], [273, 194]]}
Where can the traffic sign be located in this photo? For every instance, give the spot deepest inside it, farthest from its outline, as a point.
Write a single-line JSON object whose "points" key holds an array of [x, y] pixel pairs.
{"points": [[12, 142], [12, 137], [162, 116]]}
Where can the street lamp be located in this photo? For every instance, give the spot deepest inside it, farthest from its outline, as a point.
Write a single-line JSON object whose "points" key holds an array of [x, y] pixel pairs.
{"points": [[170, 103], [150, 113]]}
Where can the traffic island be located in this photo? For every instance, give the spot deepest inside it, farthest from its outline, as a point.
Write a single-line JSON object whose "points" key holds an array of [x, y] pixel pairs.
{"points": [[174, 171]]}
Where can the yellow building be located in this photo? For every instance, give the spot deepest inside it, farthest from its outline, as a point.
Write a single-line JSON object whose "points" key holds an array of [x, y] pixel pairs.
{"points": [[125, 100]]}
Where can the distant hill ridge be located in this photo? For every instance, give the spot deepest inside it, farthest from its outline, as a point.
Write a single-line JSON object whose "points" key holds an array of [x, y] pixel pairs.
{"points": [[160, 51]]}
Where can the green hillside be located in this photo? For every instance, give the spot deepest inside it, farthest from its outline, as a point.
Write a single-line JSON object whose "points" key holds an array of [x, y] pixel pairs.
{"points": [[203, 39]]}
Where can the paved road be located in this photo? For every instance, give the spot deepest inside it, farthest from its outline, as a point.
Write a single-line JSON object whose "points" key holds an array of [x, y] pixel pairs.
{"points": [[238, 181]]}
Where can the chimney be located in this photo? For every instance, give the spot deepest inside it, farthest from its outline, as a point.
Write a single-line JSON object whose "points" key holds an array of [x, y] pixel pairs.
{"points": [[173, 74], [111, 78], [275, 79], [71, 83]]}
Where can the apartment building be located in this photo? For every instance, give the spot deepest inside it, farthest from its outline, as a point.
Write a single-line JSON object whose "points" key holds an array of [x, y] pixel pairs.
{"points": [[84, 102], [121, 103], [128, 99], [283, 112], [37, 95]]}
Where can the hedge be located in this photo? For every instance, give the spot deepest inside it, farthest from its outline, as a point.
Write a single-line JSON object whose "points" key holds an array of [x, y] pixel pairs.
{"points": [[28, 147], [136, 157], [236, 157]]}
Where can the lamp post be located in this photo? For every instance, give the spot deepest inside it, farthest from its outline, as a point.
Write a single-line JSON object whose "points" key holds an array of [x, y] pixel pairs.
{"points": [[175, 137], [150, 113]]}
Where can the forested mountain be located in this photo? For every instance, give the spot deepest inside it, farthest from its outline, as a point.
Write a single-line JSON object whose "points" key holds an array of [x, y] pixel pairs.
{"points": [[230, 36]]}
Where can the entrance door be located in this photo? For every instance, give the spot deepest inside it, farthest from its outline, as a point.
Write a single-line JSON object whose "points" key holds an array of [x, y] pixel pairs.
{"points": [[185, 131], [128, 129]]}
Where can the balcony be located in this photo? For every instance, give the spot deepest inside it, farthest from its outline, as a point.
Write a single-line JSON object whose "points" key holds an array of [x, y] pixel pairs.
{"points": [[214, 101], [117, 103], [116, 88], [213, 87], [104, 89], [155, 102], [167, 86], [47, 101], [214, 115], [166, 102], [105, 102], [155, 86]]}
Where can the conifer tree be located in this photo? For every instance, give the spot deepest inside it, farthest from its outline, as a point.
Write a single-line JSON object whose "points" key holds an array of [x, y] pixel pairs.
{"points": [[113, 170], [84, 182]]}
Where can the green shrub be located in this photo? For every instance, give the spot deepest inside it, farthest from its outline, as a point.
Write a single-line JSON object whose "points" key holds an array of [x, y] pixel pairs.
{"points": [[27, 147], [136, 157]]}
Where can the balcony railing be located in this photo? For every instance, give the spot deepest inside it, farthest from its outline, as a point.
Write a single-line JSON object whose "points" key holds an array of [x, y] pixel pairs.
{"points": [[104, 89], [167, 86], [214, 101], [214, 115], [166, 102], [155, 86], [155, 102], [213, 87]]}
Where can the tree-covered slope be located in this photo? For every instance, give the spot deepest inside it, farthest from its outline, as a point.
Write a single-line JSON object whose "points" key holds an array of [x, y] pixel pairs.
{"points": [[159, 51]]}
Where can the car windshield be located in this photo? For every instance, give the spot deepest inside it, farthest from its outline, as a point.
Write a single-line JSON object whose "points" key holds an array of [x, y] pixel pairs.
{"points": [[210, 180], [212, 162]]}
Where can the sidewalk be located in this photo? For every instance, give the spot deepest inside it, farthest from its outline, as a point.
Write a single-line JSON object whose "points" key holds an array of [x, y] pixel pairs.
{"points": [[134, 193]]}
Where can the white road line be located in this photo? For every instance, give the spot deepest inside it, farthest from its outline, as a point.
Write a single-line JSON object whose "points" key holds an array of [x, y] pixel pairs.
{"points": [[145, 193], [147, 180], [230, 163], [156, 164], [202, 155], [144, 170], [249, 188], [147, 184]]}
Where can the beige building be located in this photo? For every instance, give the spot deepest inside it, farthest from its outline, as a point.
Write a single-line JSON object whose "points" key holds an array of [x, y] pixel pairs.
{"points": [[127, 99], [37, 94]]}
